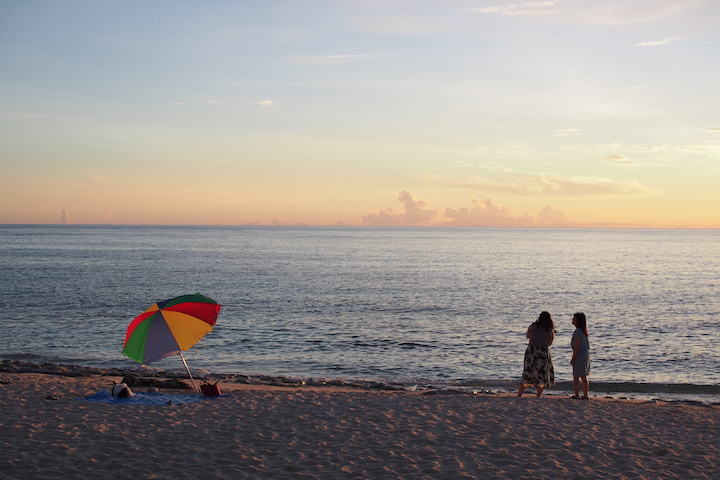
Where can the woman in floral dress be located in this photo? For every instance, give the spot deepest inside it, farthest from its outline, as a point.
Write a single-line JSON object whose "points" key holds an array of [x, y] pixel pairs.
{"points": [[538, 369]]}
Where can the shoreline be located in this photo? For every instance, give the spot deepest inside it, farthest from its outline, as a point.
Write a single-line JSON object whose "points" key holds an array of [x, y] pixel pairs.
{"points": [[325, 431], [686, 394]]}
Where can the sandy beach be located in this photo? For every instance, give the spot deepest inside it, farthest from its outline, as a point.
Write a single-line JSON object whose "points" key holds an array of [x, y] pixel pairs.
{"points": [[264, 431]]}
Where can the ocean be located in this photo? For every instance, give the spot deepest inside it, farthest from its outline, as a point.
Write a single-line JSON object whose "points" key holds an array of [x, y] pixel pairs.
{"points": [[412, 305]]}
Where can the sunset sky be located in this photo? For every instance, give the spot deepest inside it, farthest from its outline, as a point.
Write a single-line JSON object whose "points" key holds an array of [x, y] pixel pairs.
{"points": [[577, 113]]}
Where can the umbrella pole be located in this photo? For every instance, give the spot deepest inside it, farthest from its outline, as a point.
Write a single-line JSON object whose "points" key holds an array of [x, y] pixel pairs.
{"points": [[188, 370]]}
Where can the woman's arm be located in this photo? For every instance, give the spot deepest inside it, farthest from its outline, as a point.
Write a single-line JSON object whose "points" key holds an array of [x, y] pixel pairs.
{"points": [[575, 347]]}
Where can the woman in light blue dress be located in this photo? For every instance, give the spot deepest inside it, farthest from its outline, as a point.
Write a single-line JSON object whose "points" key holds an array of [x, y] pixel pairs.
{"points": [[581, 355]]}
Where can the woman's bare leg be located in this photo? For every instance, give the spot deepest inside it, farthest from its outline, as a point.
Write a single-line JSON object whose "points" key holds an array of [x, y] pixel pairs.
{"points": [[539, 391], [521, 390]]}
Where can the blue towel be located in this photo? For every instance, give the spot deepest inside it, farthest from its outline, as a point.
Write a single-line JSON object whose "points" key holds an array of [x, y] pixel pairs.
{"points": [[155, 398]]}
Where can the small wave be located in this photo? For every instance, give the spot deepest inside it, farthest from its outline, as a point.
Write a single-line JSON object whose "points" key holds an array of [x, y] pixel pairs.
{"points": [[652, 388], [413, 345], [20, 356]]}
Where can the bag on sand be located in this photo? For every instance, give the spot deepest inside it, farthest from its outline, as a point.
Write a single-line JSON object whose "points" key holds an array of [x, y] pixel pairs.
{"points": [[121, 390], [211, 390]]}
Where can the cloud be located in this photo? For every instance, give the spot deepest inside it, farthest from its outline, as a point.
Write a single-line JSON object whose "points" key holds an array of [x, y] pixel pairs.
{"points": [[552, 218], [547, 185], [617, 158], [484, 213], [176, 104], [614, 12], [697, 14], [213, 102], [659, 42], [487, 213], [385, 218], [416, 213], [710, 129], [64, 217], [700, 148], [265, 103], [565, 132], [110, 218], [660, 152], [530, 8]]}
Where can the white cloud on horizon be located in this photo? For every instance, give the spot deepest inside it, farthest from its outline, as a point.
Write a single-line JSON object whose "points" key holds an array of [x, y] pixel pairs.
{"points": [[483, 213], [265, 103], [548, 217], [417, 213]]}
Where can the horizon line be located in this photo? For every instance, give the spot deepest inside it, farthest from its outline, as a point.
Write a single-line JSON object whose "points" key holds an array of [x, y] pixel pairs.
{"points": [[304, 225]]}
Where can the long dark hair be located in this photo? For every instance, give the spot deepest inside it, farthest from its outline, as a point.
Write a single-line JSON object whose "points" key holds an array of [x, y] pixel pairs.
{"points": [[581, 322], [545, 321]]}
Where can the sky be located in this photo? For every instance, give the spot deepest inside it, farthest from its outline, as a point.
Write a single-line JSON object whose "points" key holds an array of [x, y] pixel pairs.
{"points": [[475, 113]]}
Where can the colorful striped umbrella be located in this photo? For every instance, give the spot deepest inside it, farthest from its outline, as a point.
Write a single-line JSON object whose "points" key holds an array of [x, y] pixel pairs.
{"points": [[169, 327]]}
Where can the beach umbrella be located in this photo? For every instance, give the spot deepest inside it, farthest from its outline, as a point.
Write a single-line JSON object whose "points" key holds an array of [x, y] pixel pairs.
{"points": [[169, 327]]}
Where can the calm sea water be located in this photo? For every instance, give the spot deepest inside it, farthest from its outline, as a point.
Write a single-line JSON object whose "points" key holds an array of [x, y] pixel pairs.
{"points": [[407, 304]]}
